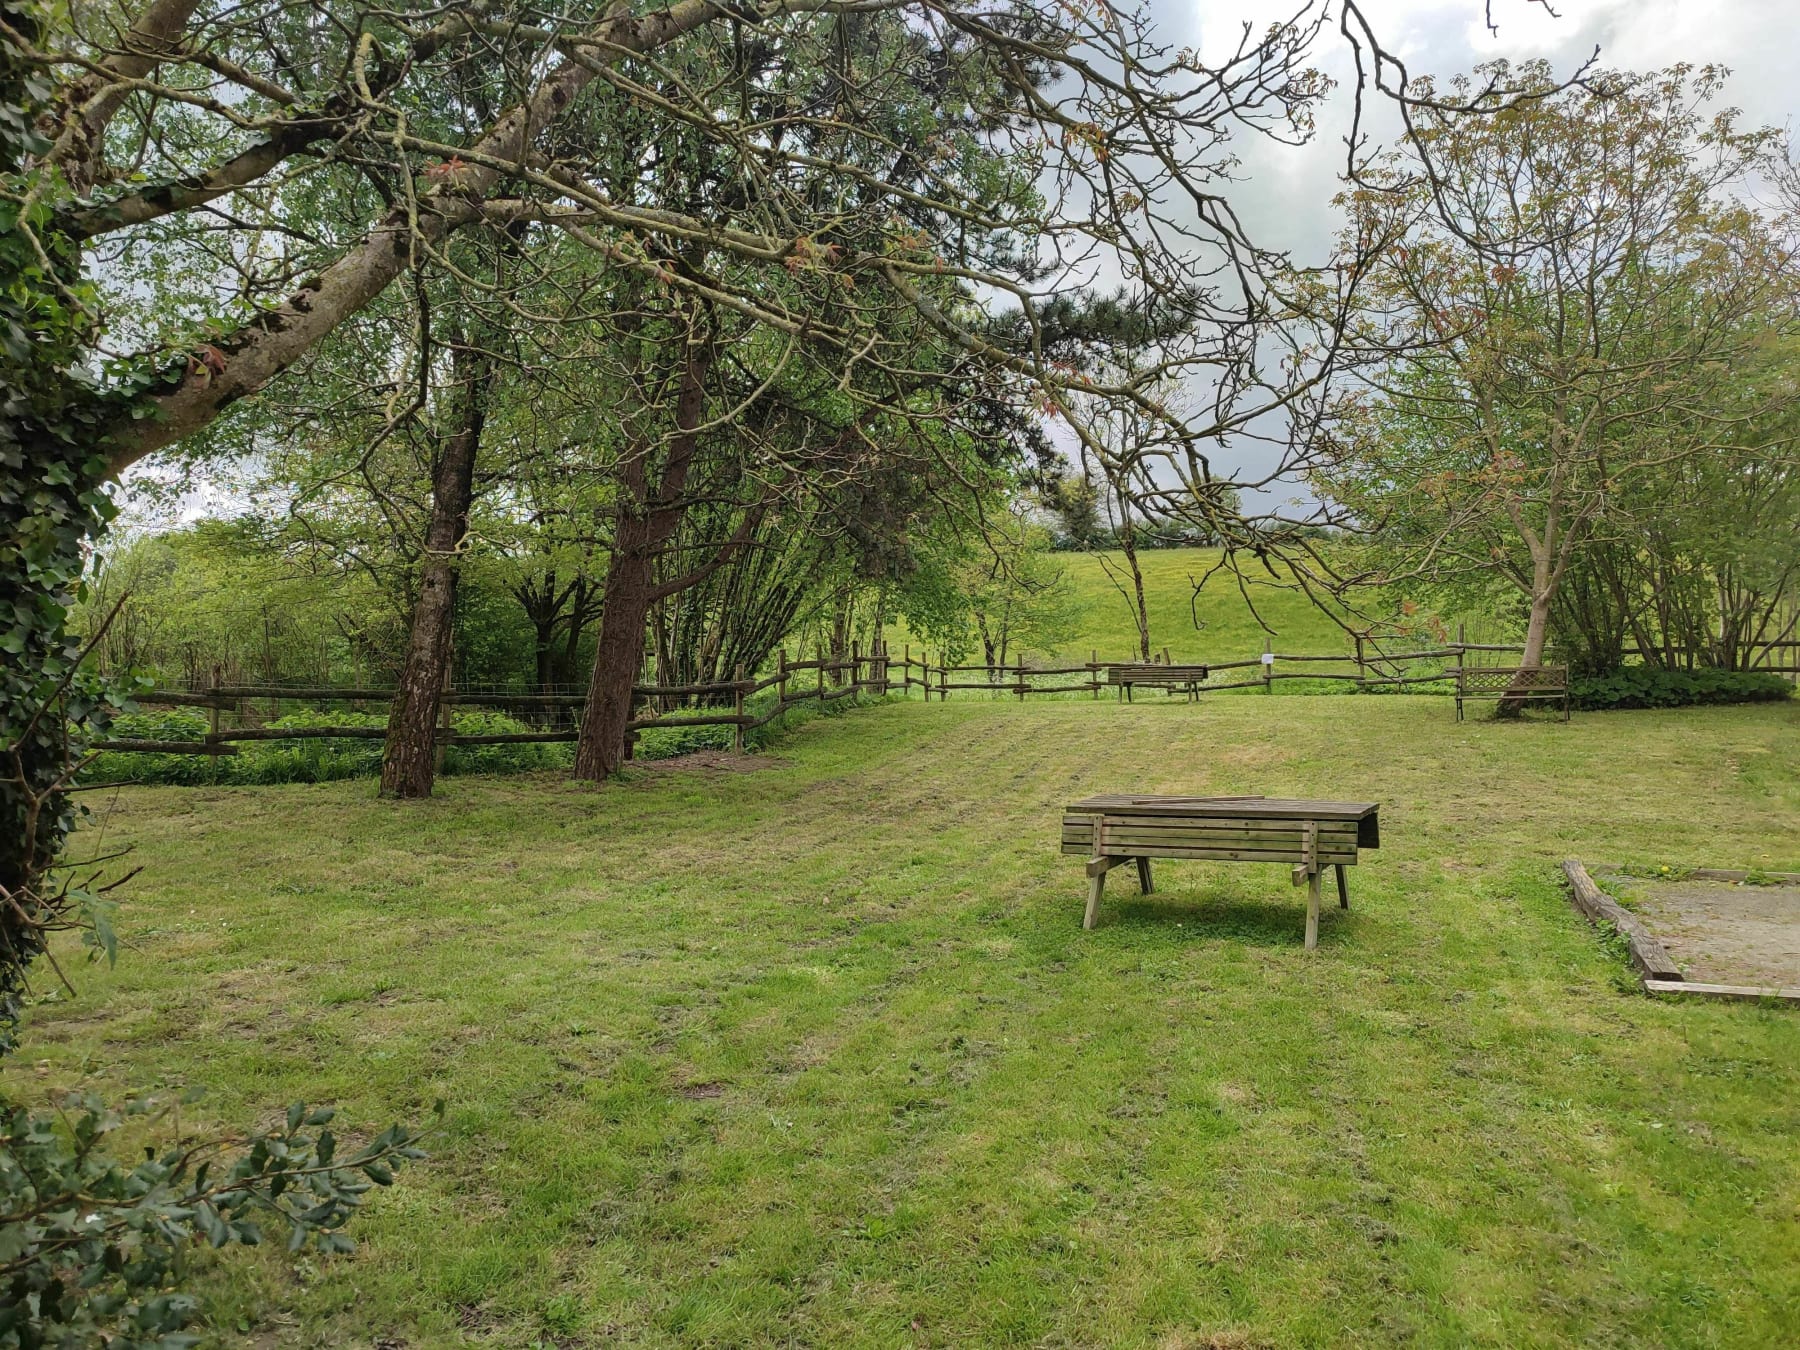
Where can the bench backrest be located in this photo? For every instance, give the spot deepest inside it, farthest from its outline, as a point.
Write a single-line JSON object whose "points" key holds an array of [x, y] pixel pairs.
{"points": [[1517, 680], [1142, 673]]}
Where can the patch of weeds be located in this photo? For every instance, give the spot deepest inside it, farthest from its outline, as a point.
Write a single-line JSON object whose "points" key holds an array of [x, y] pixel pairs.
{"points": [[1654, 871], [1627, 898], [562, 1314]]}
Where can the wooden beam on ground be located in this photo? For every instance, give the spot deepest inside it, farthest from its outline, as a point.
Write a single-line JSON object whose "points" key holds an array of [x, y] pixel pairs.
{"points": [[1647, 954], [1700, 989]]}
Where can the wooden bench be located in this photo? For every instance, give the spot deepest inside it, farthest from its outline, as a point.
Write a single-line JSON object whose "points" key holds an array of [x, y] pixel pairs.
{"points": [[1540, 683], [1187, 678], [1113, 830]]}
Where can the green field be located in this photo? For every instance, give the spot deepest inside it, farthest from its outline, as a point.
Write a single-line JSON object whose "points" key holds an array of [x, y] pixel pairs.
{"points": [[1221, 623], [1227, 616], [819, 1054]]}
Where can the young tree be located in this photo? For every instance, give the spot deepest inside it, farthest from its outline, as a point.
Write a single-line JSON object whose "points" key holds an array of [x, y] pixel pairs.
{"points": [[1574, 289]]}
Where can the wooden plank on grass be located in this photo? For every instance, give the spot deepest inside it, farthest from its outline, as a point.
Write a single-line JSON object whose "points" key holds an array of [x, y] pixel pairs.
{"points": [[1752, 992], [1647, 954]]}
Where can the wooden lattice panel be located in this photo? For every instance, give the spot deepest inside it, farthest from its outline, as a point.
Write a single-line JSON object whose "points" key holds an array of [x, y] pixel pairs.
{"points": [[1494, 681]]}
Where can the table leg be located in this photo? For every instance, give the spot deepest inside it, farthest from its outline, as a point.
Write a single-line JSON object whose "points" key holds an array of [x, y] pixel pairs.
{"points": [[1312, 911], [1096, 885], [1343, 888], [1144, 876]]}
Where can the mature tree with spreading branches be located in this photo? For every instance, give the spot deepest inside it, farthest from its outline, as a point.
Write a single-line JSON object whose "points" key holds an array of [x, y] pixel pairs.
{"points": [[1578, 295]]}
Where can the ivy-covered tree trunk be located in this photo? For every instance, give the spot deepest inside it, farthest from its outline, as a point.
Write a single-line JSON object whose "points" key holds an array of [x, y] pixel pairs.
{"points": [[52, 505], [409, 758]]}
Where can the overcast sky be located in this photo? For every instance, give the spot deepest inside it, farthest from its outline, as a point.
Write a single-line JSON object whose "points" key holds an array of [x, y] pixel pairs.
{"points": [[1284, 193], [1289, 190]]}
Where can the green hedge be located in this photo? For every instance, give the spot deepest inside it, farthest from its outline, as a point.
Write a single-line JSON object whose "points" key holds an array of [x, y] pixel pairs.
{"points": [[307, 761], [1650, 687], [328, 758]]}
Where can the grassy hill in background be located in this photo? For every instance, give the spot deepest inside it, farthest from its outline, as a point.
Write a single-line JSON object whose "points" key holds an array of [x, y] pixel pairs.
{"points": [[1216, 626], [1227, 629]]}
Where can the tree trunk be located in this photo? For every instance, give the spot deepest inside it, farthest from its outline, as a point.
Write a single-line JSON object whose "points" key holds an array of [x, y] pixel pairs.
{"points": [[646, 523], [542, 646], [1128, 544], [408, 759], [1543, 592], [568, 660]]}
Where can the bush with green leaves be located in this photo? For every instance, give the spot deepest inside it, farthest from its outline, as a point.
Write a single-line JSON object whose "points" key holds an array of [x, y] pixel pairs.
{"points": [[93, 1250], [320, 759], [1651, 687], [516, 758]]}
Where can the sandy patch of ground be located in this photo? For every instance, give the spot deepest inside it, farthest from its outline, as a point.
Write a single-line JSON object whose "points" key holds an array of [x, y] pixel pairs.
{"points": [[1722, 932]]}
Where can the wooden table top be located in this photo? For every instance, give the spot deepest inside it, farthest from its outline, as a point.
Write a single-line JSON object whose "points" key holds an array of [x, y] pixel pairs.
{"points": [[1282, 808]]}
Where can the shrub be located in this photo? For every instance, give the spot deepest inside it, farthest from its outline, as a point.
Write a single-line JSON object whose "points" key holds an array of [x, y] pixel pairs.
{"points": [[518, 758], [321, 760], [173, 724], [93, 1244], [314, 760], [1651, 687]]}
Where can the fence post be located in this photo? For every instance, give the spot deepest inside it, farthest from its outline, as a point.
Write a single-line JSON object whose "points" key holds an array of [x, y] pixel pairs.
{"points": [[737, 732], [444, 728], [943, 680], [856, 664], [820, 695], [1094, 669], [218, 672], [1268, 666], [1361, 674]]}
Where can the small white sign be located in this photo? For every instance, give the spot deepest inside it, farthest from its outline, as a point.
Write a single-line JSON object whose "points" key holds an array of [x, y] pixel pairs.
{"points": [[1268, 658]]}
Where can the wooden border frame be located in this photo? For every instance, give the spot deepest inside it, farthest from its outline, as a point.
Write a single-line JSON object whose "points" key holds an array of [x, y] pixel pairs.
{"points": [[1657, 969]]}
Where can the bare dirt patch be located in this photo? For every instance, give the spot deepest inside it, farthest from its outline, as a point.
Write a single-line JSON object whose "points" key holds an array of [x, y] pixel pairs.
{"points": [[1723, 932], [717, 761]]}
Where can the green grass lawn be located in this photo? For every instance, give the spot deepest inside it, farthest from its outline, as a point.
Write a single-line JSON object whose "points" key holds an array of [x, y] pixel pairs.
{"points": [[820, 1055], [1228, 628]]}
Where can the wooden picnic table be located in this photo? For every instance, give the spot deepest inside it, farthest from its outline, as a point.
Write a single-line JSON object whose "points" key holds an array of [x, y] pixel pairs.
{"points": [[1115, 829]]}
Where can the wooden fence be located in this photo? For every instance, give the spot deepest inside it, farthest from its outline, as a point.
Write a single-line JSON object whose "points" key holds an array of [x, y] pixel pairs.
{"points": [[824, 679], [831, 679], [1365, 667]]}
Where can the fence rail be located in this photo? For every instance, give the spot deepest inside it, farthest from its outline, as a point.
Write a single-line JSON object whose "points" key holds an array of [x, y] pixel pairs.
{"points": [[852, 674], [878, 671]]}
